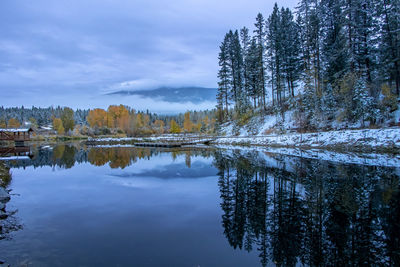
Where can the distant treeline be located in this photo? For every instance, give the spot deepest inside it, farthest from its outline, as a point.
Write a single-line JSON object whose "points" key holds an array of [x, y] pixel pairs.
{"points": [[116, 119], [329, 60], [42, 116]]}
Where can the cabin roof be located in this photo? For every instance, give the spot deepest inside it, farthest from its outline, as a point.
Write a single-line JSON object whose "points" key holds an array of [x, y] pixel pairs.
{"points": [[16, 130]]}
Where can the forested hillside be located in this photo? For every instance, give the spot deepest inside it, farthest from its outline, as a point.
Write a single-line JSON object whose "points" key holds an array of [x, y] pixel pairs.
{"points": [[331, 63]]}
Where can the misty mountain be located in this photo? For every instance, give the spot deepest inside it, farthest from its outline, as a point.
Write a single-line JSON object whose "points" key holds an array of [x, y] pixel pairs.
{"points": [[171, 94]]}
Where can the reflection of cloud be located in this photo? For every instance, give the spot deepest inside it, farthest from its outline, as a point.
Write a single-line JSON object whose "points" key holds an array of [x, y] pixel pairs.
{"points": [[172, 171], [137, 183]]}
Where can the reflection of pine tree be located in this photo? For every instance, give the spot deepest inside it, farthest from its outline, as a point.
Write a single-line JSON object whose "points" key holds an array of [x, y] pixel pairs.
{"points": [[225, 185], [390, 217], [239, 201], [264, 203], [319, 213], [313, 242], [352, 227], [286, 224], [365, 238], [340, 207]]}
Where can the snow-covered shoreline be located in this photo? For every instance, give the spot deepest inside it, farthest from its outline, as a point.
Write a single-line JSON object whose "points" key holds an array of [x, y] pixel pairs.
{"points": [[363, 140], [384, 139]]}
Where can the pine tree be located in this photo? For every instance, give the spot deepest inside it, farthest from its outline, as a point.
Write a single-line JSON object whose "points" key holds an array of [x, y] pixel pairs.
{"points": [[236, 60], [336, 56], [253, 73], [245, 43], [274, 55], [309, 14], [224, 75], [260, 37], [362, 102], [389, 45], [289, 35], [365, 39], [348, 21], [310, 104], [331, 45], [328, 103]]}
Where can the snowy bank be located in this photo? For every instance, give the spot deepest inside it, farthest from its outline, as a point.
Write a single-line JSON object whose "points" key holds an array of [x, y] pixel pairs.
{"points": [[366, 139]]}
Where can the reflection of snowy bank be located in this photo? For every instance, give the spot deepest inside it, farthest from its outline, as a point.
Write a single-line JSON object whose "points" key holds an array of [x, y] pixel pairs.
{"points": [[369, 159], [15, 158], [373, 139], [111, 139]]}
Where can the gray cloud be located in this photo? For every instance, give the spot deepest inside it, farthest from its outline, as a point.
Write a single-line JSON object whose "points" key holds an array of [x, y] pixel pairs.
{"points": [[73, 51]]}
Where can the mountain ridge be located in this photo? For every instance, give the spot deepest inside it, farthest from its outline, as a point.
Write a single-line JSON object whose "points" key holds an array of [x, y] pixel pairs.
{"points": [[183, 94]]}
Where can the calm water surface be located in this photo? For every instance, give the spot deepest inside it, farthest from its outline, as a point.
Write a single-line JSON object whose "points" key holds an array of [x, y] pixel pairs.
{"points": [[121, 206]]}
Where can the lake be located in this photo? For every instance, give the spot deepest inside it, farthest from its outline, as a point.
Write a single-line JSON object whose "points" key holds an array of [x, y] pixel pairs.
{"points": [[73, 205]]}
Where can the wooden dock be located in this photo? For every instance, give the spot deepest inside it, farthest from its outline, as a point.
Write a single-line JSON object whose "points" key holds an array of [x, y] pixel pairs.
{"points": [[18, 135], [168, 145], [171, 144]]}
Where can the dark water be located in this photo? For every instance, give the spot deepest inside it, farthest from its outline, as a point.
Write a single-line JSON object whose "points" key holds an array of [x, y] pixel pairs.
{"points": [[74, 206]]}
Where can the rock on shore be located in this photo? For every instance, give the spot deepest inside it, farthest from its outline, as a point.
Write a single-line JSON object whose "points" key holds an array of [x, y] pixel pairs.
{"points": [[4, 195]]}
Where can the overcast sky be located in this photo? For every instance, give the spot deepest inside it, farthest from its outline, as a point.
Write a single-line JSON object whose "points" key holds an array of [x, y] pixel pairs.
{"points": [[71, 53]]}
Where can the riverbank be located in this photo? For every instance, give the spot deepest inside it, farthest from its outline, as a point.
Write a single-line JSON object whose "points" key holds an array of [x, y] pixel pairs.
{"points": [[384, 140], [365, 140]]}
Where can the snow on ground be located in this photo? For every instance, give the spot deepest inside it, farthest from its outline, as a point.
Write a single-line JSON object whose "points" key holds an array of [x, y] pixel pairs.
{"points": [[117, 145], [259, 125], [259, 132], [112, 139], [269, 122], [154, 138], [365, 138]]}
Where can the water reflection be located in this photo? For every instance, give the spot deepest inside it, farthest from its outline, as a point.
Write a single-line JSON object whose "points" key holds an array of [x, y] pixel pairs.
{"points": [[67, 155], [311, 212], [289, 210]]}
